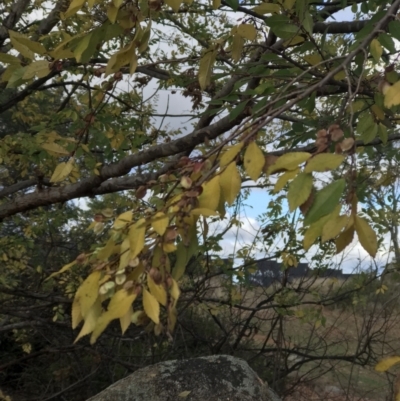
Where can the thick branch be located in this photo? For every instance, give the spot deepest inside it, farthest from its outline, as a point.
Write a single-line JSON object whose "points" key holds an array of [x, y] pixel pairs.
{"points": [[339, 27], [11, 20]]}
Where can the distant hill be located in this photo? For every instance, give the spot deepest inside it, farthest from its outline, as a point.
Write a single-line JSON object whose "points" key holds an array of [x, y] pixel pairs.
{"points": [[270, 271]]}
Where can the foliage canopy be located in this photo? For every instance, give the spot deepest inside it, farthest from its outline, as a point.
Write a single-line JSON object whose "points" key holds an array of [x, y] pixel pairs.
{"points": [[283, 98]]}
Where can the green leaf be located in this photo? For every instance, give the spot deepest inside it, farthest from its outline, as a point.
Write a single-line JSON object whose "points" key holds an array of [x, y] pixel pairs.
{"points": [[394, 29], [234, 4], [325, 201], [299, 190], [387, 41], [237, 110], [370, 133], [308, 23], [285, 31], [382, 133]]}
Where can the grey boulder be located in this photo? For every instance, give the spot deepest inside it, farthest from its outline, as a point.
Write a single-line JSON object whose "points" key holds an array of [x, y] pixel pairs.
{"points": [[213, 378]]}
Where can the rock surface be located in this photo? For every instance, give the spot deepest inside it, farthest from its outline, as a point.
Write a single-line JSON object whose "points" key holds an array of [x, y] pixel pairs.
{"points": [[213, 378]]}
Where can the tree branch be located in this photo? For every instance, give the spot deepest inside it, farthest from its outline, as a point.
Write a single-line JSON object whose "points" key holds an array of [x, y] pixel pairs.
{"points": [[11, 20]]}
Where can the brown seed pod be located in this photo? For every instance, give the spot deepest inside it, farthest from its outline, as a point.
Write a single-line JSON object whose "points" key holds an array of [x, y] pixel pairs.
{"points": [[347, 144], [336, 134]]}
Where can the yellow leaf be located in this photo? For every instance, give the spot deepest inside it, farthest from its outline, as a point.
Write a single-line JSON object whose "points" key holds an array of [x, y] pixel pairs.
{"points": [[339, 76], [184, 394], [118, 307], [118, 3], [344, 239], [17, 45], [105, 252], [174, 4], [160, 223], [157, 290], [376, 50], [126, 320], [209, 198], [62, 270], [253, 161], [76, 315], [323, 162], [38, 68], [74, 7], [54, 148], [313, 59], [175, 291], [247, 31], [151, 306], [267, 8], [137, 237], [91, 319], [392, 96], [237, 47], [386, 363], [230, 182], [299, 190], [216, 4], [293, 41], [133, 63], [112, 13], [125, 253], [122, 220], [9, 59], [87, 293], [230, 154], [379, 113], [288, 4], [62, 171], [289, 161], [206, 67], [284, 178], [334, 227], [366, 235]]}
